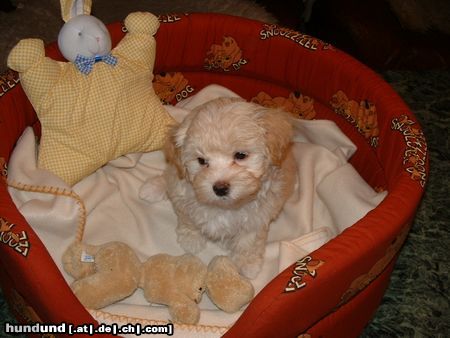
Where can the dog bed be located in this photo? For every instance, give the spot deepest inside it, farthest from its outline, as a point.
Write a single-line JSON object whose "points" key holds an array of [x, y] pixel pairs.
{"points": [[331, 290]]}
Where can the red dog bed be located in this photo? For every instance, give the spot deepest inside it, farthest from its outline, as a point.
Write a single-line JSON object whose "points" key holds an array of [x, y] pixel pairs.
{"points": [[335, 290]]}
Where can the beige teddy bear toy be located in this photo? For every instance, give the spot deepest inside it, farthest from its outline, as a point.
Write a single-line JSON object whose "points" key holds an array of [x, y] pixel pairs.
{"points": [[110, 272]]}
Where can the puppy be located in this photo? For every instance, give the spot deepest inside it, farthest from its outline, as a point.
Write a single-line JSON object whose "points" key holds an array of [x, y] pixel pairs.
{"points": [[230, 171]]}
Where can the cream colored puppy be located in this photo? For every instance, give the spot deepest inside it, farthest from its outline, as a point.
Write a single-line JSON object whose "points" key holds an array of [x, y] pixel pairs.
{"points": [[230, 171]]}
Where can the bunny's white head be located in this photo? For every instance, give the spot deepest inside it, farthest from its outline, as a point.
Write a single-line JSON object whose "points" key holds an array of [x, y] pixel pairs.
{"points": [[82, 34]]}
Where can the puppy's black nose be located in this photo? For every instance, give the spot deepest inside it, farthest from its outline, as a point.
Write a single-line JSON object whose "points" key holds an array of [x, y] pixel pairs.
{"points": [[221, 188]]}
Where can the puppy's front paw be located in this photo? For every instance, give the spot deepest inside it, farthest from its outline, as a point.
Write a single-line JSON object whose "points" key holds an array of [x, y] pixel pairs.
{"points": [[190, 240]]}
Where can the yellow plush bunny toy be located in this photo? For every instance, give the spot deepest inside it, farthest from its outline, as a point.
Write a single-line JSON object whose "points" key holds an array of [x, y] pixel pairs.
{"points": [[99, 105]]}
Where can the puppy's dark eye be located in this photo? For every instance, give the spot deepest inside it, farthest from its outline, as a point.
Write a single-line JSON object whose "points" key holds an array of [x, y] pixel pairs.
{"points": [[240, 155], [201, 161]]}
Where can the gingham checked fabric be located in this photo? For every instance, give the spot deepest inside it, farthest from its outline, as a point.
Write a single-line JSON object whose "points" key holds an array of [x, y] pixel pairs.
{"points": [[86, 64], [68, 11], [88, 120]]}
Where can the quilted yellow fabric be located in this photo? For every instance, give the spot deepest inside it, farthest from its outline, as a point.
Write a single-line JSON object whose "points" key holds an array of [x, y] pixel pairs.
{"points": [[88, 120]]}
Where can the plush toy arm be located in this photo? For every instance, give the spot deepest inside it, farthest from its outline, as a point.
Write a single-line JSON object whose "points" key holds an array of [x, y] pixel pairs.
{"points": [[26, 54], [142, 22], [37, 72], [139, 45]]}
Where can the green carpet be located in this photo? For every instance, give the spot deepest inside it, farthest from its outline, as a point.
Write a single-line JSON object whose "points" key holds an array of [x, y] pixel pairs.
{"points": [[416, 303]]}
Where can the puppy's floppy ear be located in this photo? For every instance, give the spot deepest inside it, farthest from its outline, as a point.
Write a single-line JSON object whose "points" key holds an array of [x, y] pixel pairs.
{"points": [[278, 133], [172, 148]]}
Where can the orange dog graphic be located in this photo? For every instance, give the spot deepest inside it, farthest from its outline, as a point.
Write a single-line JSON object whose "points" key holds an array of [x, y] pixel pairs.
{"points": [[6, 228], [223, 56], [168, 85], [301, 106], [367, 119], [363, 114]]}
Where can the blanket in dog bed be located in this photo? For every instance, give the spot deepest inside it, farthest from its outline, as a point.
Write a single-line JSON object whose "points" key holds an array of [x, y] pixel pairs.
{"points": [[125, 202]]}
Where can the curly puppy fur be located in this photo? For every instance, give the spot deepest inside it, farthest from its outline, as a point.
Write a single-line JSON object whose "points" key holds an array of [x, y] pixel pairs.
{"points": [[230, 171]]}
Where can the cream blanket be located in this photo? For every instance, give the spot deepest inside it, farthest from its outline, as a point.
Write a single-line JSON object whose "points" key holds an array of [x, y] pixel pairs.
{"points": [[125, 202]]}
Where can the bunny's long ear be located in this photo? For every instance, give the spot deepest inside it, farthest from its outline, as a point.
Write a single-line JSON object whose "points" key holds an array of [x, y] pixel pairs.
{"points": [[72, 8]]}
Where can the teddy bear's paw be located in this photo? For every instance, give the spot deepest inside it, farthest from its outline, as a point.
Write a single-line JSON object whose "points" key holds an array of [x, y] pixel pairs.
{"points": [[26, 54], [190, 240], [226, 287], [185, 312], [142, 22]]}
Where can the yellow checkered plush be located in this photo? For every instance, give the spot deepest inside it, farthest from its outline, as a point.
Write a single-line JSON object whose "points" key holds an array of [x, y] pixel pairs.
{"points": [[68, 5], [88, 120]]}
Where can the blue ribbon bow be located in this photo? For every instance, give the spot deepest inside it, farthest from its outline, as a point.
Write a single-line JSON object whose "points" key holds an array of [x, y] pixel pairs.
{"points": [[85, 64]]}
